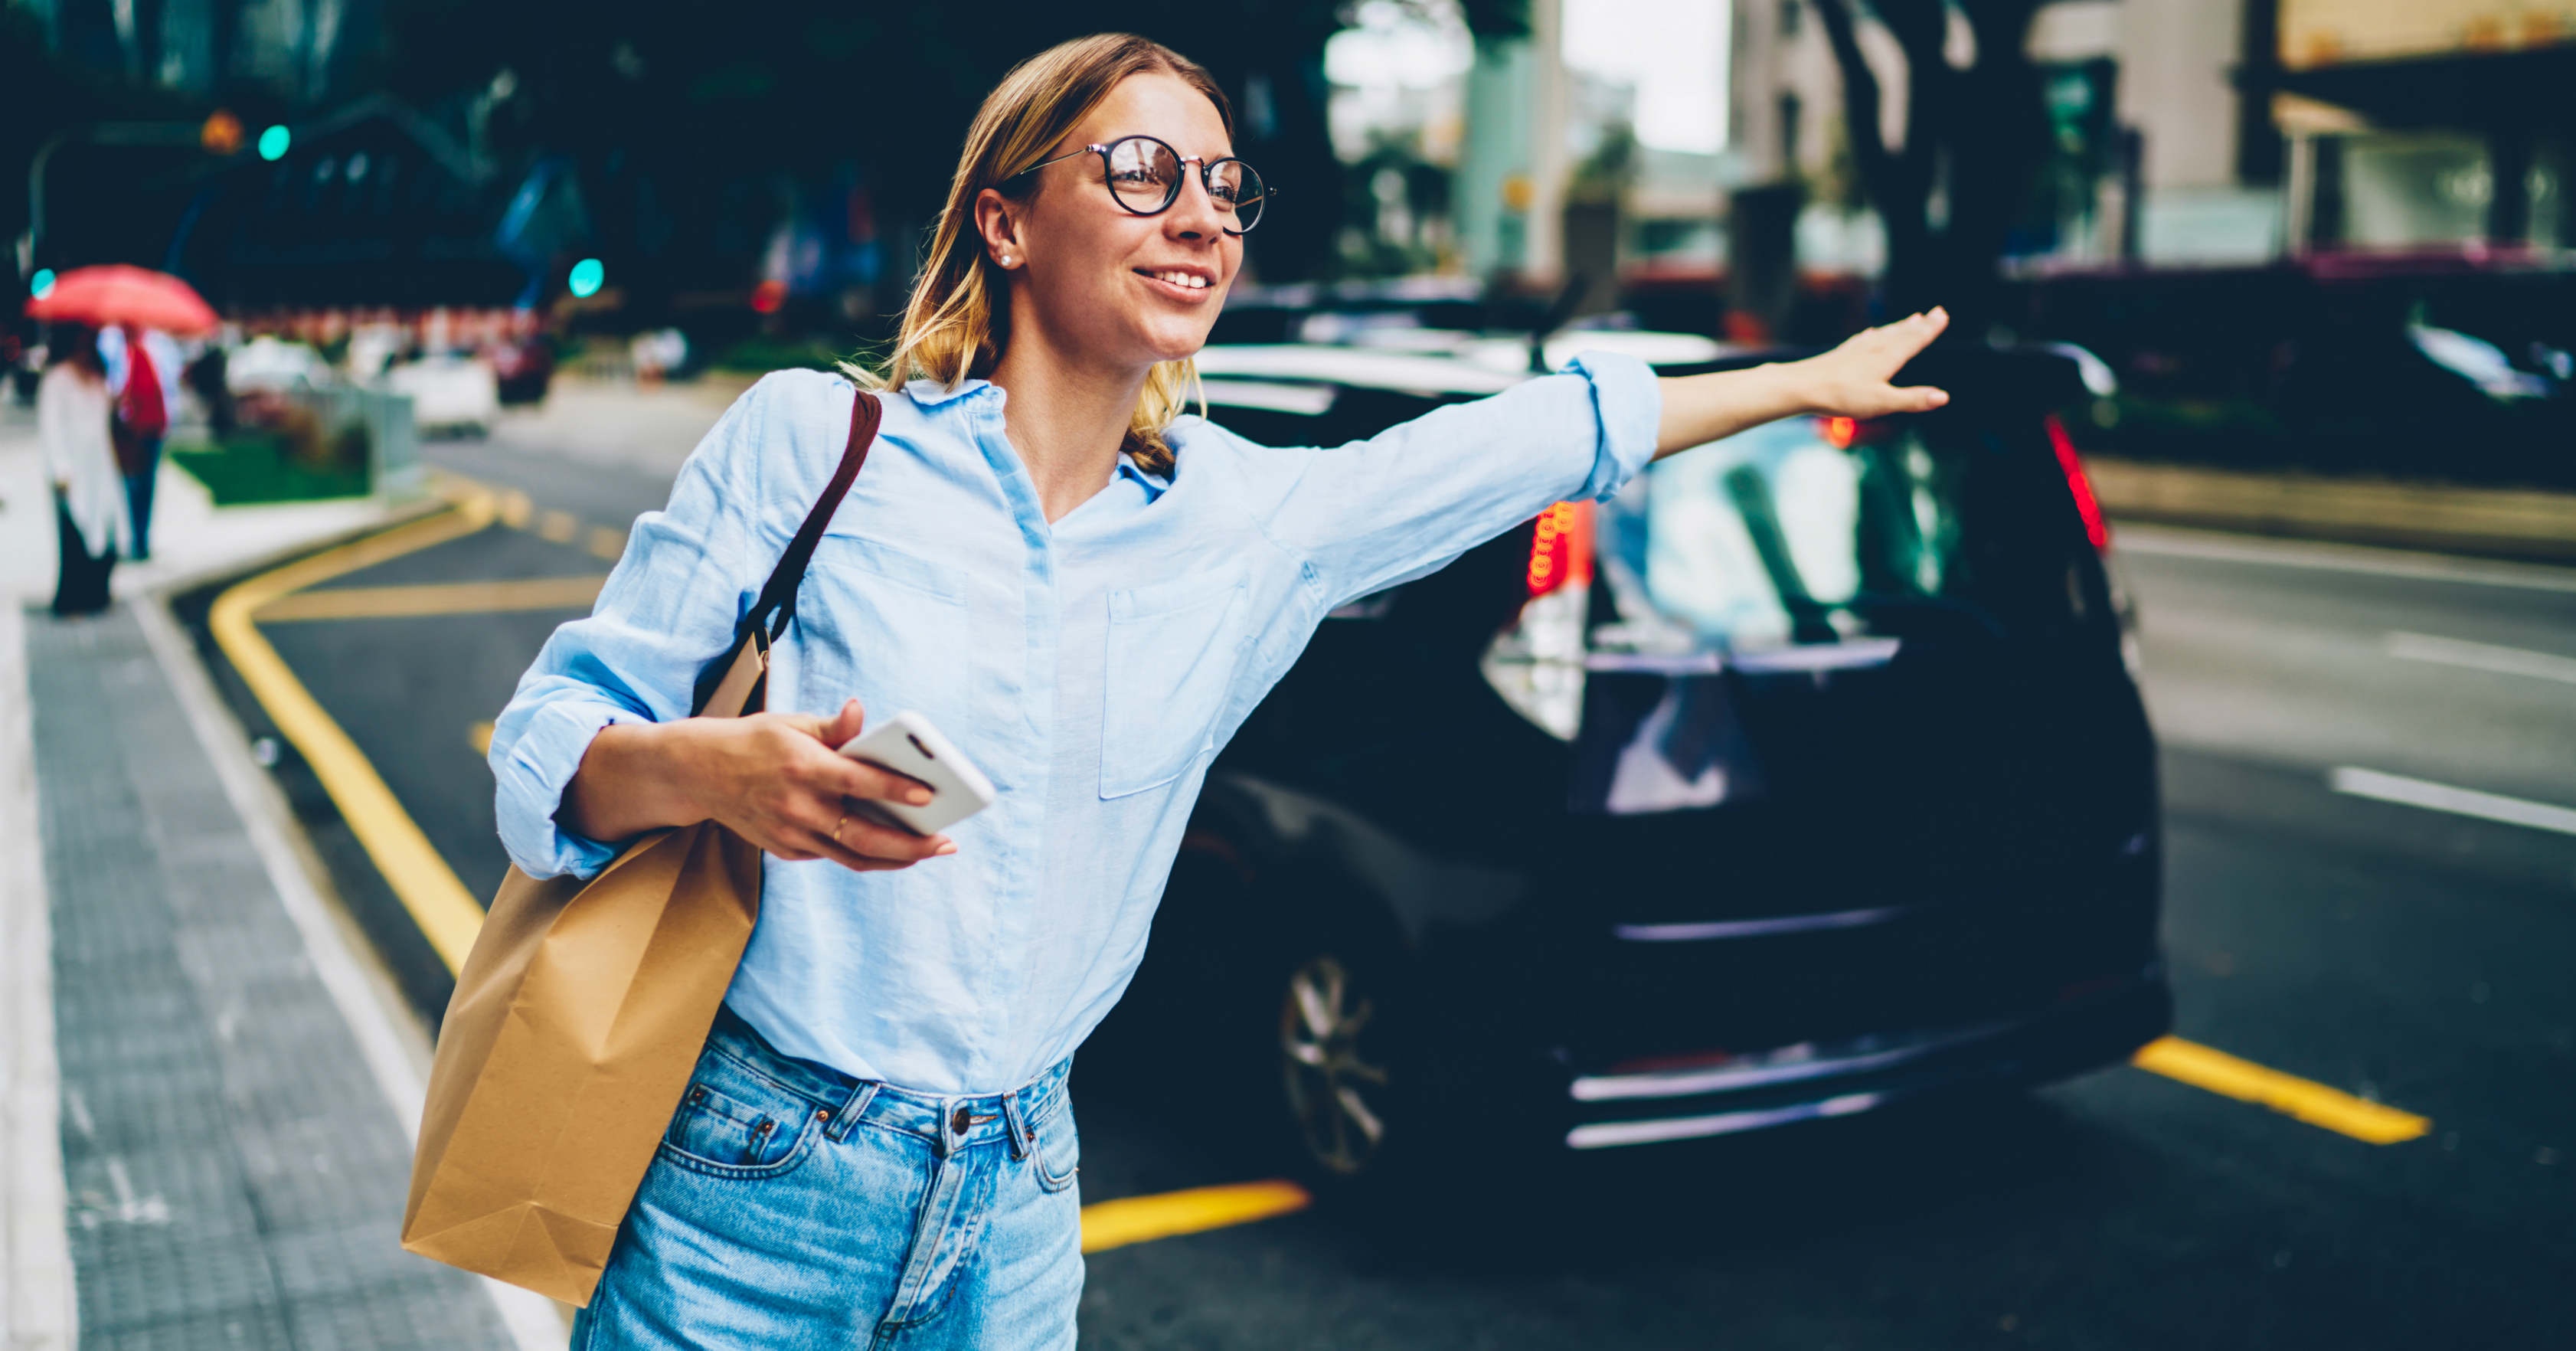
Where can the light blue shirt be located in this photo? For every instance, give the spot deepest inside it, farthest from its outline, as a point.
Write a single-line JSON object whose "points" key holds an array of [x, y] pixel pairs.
{"points": [[1092, 668]]}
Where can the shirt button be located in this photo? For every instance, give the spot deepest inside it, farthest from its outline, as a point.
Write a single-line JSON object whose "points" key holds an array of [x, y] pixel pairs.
{"points": [[958, 1121]]}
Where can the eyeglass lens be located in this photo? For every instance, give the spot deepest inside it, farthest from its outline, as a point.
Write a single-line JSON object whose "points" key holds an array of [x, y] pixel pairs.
{"points": [[1146, 176]]}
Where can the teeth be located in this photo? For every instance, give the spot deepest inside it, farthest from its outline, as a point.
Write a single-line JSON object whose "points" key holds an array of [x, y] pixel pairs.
{"points": [[1182, 279]]}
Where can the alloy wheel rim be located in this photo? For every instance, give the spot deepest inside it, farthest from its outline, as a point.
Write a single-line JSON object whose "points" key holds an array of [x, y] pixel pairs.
{"points": [[1319, 1030]]}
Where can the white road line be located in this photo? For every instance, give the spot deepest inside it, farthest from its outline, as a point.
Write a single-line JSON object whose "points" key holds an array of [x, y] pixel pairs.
{"points": [[2481, 656], [2168, 542], [2442, 797]]}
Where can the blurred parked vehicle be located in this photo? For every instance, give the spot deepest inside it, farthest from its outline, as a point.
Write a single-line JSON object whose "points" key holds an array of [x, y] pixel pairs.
{"points": [[269, 364], [522, 368], [1808, 775], [450, 393]]}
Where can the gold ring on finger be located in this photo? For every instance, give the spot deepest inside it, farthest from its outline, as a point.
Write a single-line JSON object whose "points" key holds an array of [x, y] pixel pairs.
{"points": [[836, 827]]}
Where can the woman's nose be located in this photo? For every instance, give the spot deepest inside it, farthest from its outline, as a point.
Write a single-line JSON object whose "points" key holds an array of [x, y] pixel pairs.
{"points": [[1195, 215]]}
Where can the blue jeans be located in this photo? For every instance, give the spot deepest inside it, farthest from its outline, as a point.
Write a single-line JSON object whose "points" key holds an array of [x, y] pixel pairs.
{"points": [[793, 1206], [138, 497]]}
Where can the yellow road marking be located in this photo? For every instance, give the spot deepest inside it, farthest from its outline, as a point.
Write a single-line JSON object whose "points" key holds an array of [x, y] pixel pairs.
{"points": [[448, 914], [479, 736], [607, 542], [445, 598], [559, 526], [512, 508], [2311, 1102], [1137, 1219]]}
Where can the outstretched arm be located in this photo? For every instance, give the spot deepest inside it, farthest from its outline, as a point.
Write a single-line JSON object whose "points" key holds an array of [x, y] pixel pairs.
{"points": [[1850, 381]]}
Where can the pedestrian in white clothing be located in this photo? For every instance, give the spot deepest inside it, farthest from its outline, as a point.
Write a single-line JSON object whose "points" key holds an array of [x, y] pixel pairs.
{"points": [[73, 406]]}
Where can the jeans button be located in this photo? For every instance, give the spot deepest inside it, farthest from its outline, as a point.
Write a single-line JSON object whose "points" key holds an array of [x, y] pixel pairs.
{"points": [[958, 1121]]}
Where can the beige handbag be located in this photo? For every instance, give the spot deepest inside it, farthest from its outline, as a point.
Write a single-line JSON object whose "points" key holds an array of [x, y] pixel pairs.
{"points": [[581, 1011]]}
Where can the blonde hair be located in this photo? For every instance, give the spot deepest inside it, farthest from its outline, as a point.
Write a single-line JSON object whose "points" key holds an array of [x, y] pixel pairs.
{"points": [[958, 319]]}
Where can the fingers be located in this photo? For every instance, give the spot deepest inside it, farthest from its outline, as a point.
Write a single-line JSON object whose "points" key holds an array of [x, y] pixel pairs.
{"points": [[867, 780], [1921, 398], [862, 845], [843, 726], [1915, 332], [834, 731]]}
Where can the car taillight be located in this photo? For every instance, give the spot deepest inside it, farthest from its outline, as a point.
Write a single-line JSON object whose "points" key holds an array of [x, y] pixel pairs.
{"points": [[2086, 504], [1561, 548], [1536, 662]]}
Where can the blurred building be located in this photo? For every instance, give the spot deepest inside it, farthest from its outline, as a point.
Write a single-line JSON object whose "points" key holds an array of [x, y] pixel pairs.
{"points": [[2429, 128], [302, 51], [2218, 133]]}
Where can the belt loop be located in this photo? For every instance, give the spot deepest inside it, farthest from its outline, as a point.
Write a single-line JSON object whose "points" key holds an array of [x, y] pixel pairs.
{"points": [[1015, 1124], [847, 1115]]}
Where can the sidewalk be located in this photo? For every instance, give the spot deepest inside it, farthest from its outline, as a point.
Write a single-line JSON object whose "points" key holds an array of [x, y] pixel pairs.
{"points": [[208, 1101], [2431, 517]]}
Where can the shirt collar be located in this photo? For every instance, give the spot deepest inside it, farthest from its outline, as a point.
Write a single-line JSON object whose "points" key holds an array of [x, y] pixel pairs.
{"points": [[1154, 484], [931, 394]]}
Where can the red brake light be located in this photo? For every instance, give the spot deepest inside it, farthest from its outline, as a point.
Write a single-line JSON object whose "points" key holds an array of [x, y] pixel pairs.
{"points": [[2086, 504], [769, 296], [1561, 547], [1839, 432]]}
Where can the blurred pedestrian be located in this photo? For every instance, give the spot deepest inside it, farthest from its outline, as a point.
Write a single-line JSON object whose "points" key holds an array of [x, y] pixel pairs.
{"points": [[91, 522], [1089, 592], [143, 370], [209, 376]]}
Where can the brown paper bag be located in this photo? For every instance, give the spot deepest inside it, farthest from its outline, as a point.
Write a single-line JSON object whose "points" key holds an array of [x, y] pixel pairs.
{"points": [[581, 1010]]}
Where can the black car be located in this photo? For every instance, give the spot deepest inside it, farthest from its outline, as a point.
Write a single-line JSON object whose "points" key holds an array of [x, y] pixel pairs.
{"points": [[1808, 775]]}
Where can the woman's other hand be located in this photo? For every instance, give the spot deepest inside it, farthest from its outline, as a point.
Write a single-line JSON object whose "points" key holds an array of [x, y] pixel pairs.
{"points": [[775, 779], [1853, 380]]}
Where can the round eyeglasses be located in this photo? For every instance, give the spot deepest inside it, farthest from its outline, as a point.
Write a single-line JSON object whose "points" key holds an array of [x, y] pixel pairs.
{"points": [[1145, 176]]}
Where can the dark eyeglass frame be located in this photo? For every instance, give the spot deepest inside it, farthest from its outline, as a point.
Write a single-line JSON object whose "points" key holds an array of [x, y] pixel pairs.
{"points": [[1207, 176]]}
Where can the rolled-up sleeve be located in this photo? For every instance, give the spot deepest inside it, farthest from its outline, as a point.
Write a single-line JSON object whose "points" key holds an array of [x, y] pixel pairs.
{"points": [[1374, 512], [668, 608]]}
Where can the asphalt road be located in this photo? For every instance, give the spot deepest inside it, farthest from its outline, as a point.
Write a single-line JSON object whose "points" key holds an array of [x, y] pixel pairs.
{"points": [[2395, 951]]}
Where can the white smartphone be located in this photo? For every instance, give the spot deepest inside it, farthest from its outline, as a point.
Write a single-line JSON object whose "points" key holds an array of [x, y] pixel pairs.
{"points": [[907, 744]]}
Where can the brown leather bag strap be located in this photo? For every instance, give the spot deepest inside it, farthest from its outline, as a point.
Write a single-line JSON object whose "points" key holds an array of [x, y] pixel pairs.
{"points": [[770, 614], [779, 596]]}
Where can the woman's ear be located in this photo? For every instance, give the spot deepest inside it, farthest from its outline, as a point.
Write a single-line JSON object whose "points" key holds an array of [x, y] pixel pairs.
{"points": [[997, 224]]}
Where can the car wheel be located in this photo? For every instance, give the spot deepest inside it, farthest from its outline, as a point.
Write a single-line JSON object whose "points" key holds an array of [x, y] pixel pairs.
{"points": [[1336, 1095]]}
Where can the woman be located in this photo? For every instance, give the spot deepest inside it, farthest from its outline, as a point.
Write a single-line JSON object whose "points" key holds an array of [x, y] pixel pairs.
{"points": [[143, 369], [73, 406], [1087, 593]]}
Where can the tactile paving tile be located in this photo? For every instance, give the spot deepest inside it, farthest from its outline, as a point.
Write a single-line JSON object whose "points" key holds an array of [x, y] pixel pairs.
{"points": [[236, 1177]]}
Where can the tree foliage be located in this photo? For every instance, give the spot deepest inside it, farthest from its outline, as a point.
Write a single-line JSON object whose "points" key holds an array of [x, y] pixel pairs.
{"points": [[706, 100], [1976, 138]]}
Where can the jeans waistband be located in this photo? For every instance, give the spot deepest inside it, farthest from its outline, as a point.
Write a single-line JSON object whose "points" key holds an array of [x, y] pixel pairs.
{"points": [[947, 1121]]}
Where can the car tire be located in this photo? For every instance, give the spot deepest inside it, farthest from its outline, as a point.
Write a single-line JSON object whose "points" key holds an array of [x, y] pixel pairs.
{"points": [[1335, 1071]]}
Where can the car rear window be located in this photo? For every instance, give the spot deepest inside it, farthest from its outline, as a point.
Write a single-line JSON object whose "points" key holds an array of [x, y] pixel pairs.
{"points": [[1811, 530]]}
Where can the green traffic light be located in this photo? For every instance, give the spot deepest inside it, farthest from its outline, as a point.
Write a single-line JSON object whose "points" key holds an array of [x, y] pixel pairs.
{"points": [[273, 142], [586, 277]]}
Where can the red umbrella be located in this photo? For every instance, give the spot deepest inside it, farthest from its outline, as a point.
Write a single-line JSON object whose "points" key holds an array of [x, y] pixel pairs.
{"points": [[117, 294]]}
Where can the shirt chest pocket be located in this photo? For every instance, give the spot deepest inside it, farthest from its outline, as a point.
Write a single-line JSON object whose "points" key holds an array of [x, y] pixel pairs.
{"points": [[1173, 648], [885, 627]]}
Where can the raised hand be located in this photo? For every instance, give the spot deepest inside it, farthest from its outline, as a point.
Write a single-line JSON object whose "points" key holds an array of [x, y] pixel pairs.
{"points": [[1853, 380]]}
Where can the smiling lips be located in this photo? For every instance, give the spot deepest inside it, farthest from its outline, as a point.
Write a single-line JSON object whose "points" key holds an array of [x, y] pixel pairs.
{"points": [[1187, 281]]}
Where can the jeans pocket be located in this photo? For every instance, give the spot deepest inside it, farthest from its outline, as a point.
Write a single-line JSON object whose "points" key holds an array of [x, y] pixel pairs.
{"points": [[736, 1122], [1056, 1152]]}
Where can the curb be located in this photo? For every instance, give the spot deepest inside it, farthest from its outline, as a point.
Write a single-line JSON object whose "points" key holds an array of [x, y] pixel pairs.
{"points": [[2436, 518], [37, 1309]]}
